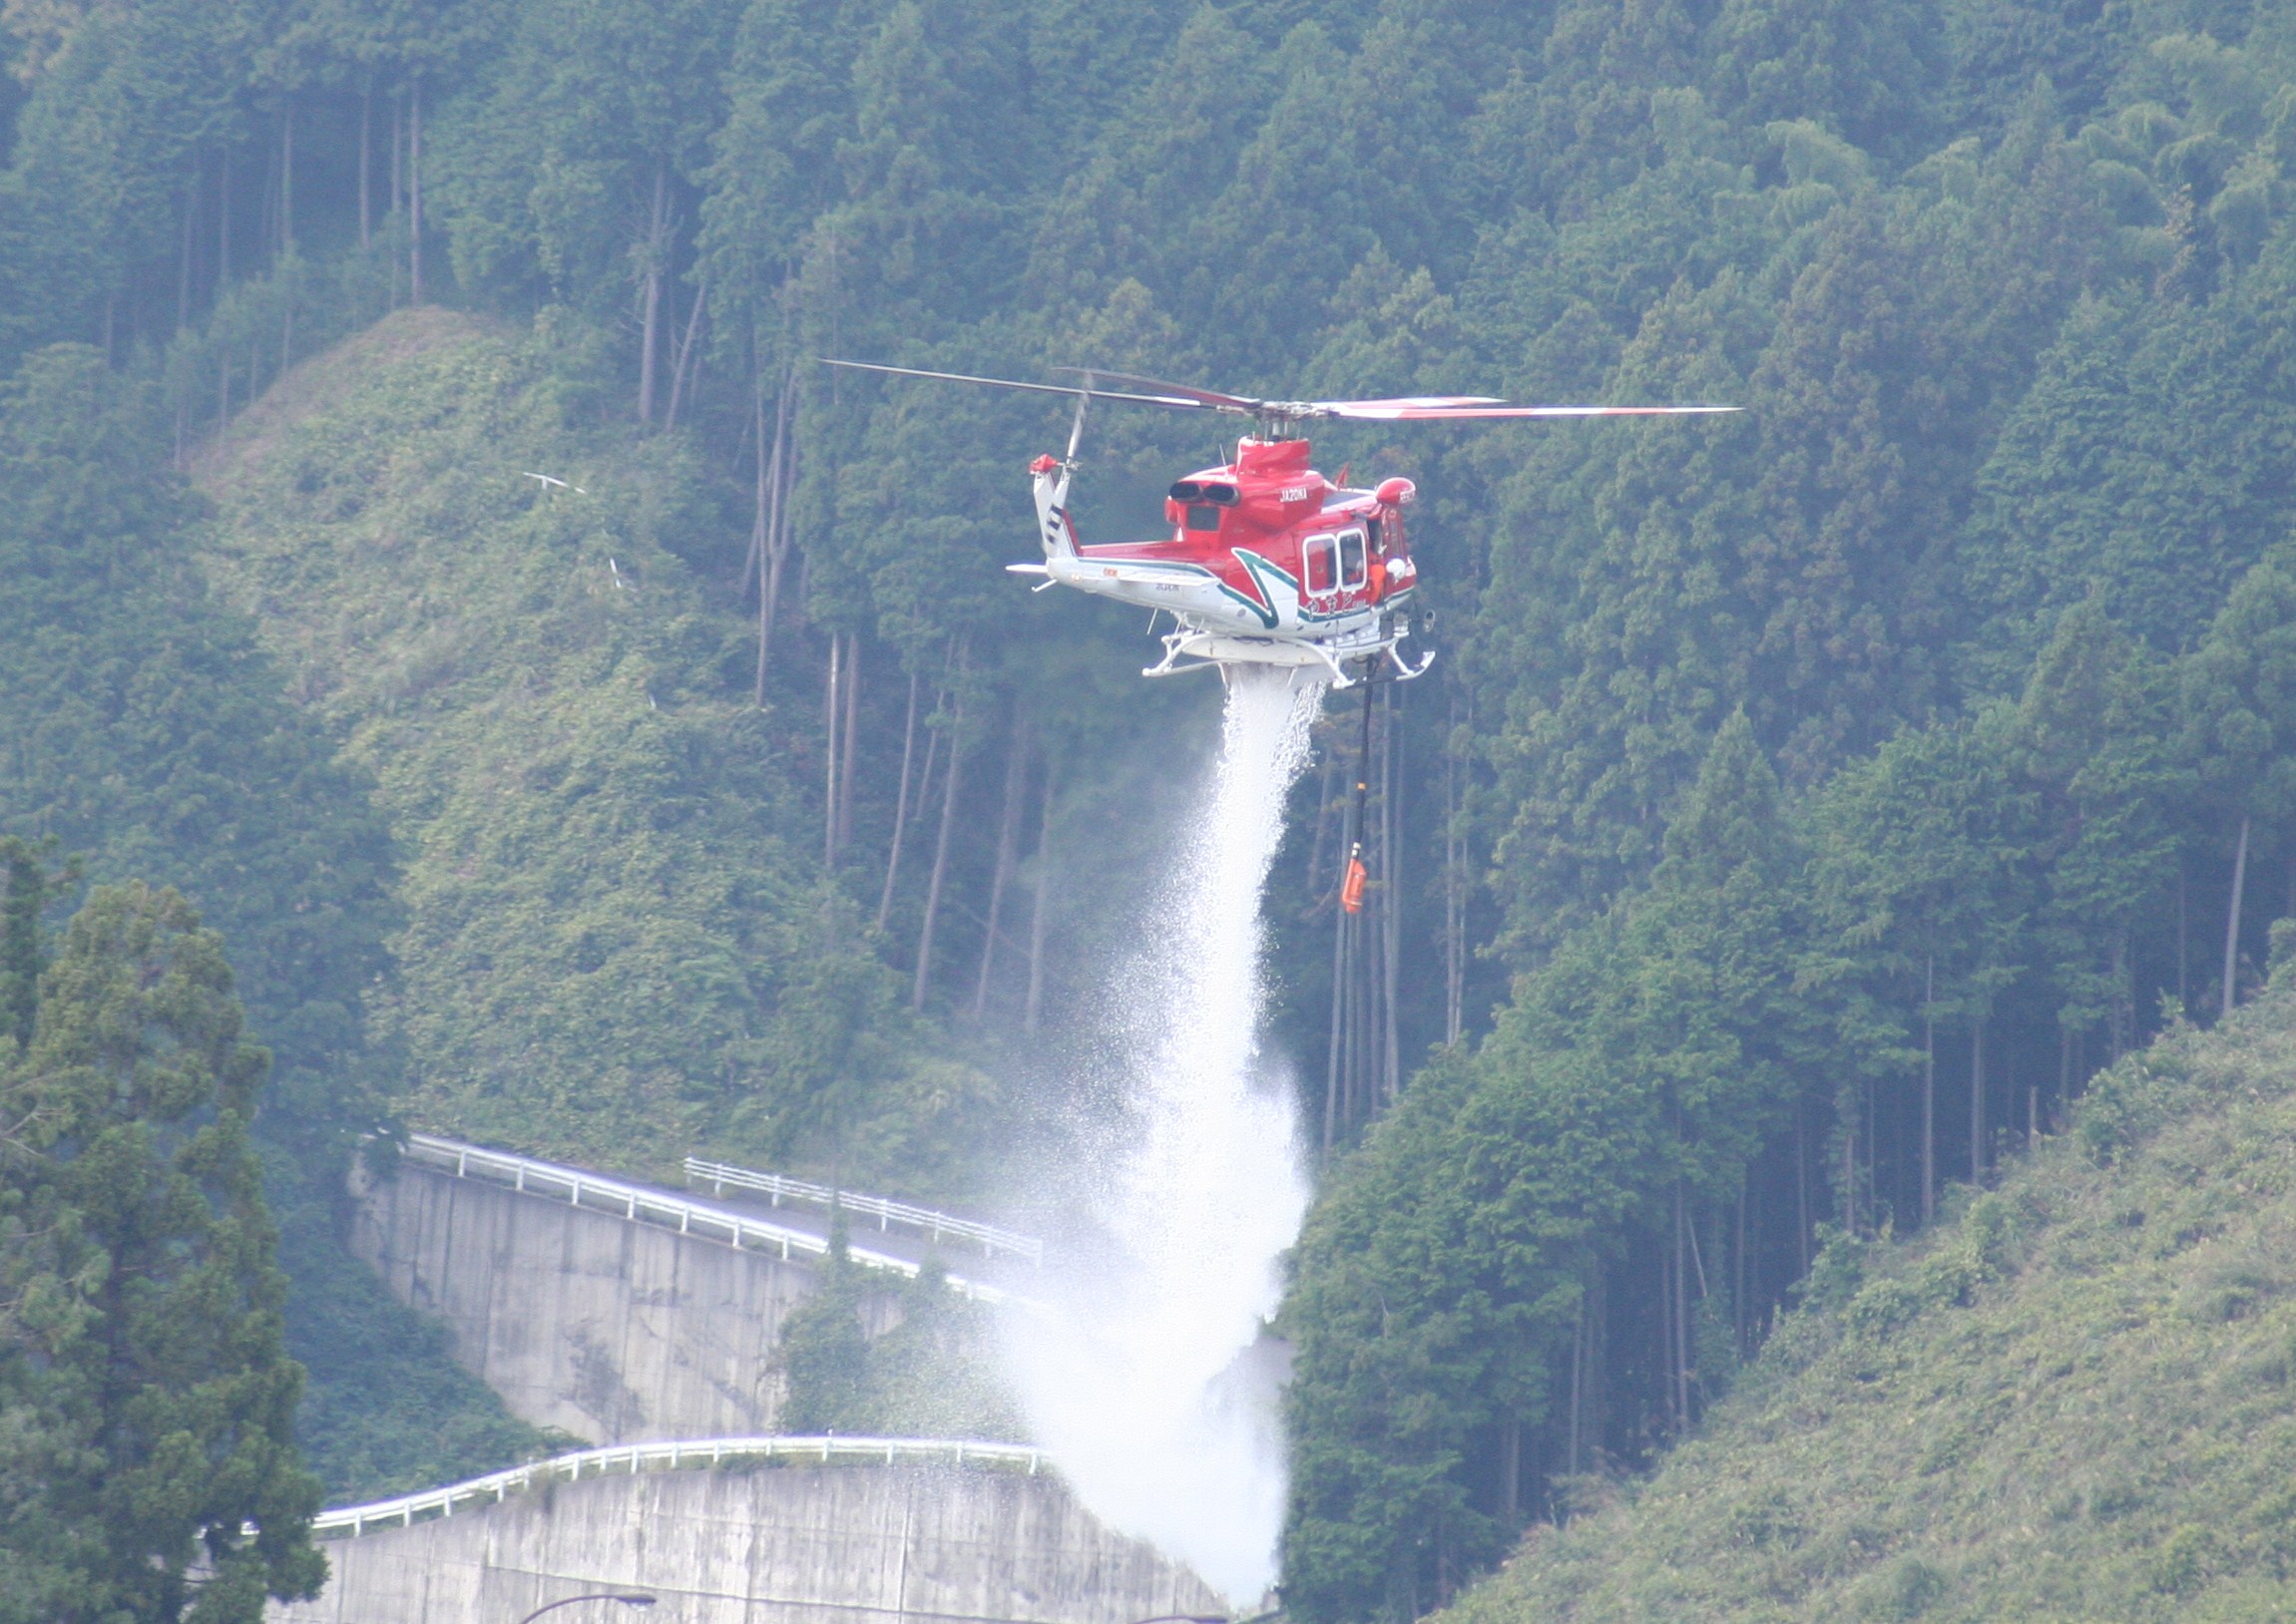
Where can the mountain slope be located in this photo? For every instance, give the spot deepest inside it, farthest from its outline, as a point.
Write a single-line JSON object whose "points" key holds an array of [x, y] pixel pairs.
{"points": [[2076, 1401], [617, 946]]}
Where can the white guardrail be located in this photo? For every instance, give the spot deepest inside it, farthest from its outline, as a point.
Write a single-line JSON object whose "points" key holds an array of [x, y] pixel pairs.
{"points": [[780, 1187], [349, 1521], [598, 1193]]}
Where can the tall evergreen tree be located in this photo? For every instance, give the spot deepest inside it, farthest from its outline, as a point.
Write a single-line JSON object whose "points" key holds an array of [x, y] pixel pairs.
{"points": [[150, 1403], [2239, 715], [28, 884]]}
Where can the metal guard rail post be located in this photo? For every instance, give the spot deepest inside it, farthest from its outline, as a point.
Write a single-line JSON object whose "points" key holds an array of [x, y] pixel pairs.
{"points": [[637, 1205], [720, 1176], [350, 1521]]}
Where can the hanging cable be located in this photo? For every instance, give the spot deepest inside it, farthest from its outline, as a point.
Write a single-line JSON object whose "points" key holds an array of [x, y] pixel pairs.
{"points": [[1351, 891]]}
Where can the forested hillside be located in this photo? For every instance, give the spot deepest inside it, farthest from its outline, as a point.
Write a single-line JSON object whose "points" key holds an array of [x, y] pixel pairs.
{"points": [[611, 949], [147, 732], [593, 725], [2069, 1401]]}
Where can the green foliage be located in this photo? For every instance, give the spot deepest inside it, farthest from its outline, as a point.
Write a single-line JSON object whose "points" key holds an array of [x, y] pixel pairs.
{"points": [[30, 888], [1960, 585], [2240, 695], [2064, 1404], [148, 1399], [1441, 1273], [824, 1350], [594, 104], [931, 1375], [1810, 776], [147, 729], [936, 1374], [1395, 1329], [1920, 865], [2095, 736], [615, 947]]}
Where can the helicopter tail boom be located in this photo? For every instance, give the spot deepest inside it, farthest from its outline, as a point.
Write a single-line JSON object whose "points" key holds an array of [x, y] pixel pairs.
{"points": [[1048, 482]]}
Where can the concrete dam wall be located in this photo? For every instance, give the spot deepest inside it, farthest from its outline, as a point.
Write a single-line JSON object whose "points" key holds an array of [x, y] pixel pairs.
{"points": [[767, 1544], [600, 1323], [631, 1315]]}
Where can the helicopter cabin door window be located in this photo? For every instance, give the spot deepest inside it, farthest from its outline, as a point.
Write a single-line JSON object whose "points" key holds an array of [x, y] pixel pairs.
{"points": [[1320, 566], [1354, 566]]}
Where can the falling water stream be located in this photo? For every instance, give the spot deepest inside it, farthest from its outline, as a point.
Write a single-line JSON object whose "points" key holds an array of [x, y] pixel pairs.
{"points": [[1142, 1377]]}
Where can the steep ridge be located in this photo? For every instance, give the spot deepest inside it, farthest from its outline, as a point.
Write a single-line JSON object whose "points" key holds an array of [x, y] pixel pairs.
{"points": [[614, 949], [2076, 1401]]}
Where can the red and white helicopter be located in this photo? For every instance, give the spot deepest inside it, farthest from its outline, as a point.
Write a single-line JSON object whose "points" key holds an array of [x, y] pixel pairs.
{"points": [[1268, 562]]}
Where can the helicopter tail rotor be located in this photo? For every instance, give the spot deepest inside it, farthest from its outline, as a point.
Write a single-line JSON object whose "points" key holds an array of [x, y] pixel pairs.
{"points": [[1049, 481], [1077, 429]]}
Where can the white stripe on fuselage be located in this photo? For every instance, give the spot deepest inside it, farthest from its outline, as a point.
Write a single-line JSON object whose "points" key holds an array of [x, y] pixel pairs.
{"points": [[1193, 590], [1190, 590]]}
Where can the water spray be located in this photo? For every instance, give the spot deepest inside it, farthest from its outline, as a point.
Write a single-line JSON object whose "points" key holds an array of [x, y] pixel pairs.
{"points": [[1145, 1378]]}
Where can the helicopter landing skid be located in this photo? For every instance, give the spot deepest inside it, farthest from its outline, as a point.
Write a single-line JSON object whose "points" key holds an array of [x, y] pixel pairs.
{"points": [[1189, 650]]}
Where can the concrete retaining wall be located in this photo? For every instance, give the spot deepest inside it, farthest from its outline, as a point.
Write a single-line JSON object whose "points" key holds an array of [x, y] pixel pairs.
{"points": [[611, 1331], [766, 1545]]}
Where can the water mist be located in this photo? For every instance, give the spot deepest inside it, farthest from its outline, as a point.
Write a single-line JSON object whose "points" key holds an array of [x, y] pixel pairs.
{"points": [[1140, 1376]]}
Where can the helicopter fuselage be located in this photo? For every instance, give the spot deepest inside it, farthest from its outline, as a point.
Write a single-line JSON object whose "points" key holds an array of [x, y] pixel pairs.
{"points": [[1266, 562]]}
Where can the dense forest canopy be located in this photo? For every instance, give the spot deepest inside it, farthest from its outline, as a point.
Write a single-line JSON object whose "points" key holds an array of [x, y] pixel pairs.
{"points": [[1804, 806]]}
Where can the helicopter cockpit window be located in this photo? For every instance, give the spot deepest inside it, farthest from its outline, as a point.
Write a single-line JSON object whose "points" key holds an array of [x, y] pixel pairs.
{"points": [[1353, 570], [1202, 516], [1320, 564]]}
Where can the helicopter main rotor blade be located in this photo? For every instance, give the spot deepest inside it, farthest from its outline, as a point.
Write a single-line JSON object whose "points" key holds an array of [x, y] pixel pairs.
{"points": [[1217, 400], [1401, 408], [1139, 391], [1400, 402], [1173, 402], [1437, 410]]}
